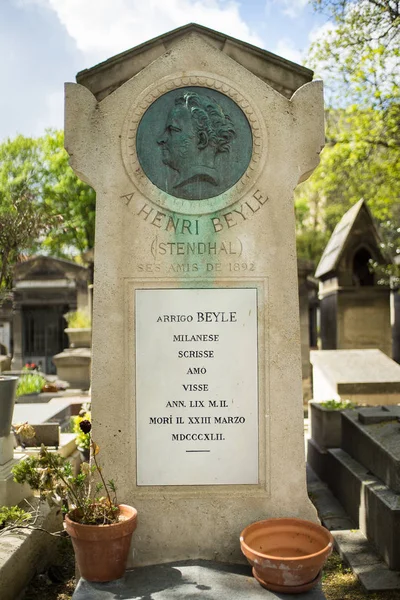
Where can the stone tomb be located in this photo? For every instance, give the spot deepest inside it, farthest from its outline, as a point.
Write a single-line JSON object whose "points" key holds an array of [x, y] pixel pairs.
{"points": [[196, 373], [364, 475], [350, 295], [361, 376]]}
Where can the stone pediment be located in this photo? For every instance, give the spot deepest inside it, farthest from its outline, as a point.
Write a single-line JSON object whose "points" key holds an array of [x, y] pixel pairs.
{"points": [[281, 74], [48, 268], [356, 227]]}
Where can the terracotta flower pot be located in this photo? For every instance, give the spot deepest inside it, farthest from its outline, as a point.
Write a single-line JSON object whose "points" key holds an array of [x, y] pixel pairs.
{"points": [[287, 555], [101, 551]]}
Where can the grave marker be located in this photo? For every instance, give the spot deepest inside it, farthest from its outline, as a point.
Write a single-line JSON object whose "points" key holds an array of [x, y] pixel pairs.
{"points": [[196, 380]]}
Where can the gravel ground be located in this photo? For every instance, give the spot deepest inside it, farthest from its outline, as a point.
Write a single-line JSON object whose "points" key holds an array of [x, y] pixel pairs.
{"points": [[58, 582]]}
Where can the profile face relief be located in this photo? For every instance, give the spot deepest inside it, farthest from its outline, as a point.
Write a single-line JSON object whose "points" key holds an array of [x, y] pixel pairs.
{"points": [[196, 130], [178, 142], [200, 143]]}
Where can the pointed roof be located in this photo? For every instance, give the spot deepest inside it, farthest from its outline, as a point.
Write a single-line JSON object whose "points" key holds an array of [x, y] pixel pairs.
{"points": [[48, 267], [281, 74], [333, 252]]}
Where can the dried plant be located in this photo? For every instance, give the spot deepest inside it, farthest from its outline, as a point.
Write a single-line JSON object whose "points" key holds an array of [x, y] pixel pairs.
{"points": [[87, 498]]}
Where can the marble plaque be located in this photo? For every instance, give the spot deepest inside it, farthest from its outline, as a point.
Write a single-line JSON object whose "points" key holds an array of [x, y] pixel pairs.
{"points": [[196, 386]]}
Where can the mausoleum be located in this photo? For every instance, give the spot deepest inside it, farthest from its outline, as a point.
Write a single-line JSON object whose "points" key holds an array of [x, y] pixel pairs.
{"points": [[45, 289], [354, 306]]}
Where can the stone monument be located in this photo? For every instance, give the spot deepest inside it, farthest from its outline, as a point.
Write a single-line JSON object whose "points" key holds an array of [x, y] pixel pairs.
{"points": [[194, 143], [351, 294]]}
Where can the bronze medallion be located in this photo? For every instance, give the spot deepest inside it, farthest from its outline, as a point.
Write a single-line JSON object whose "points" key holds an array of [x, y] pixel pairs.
{"points": [[194, 143]]}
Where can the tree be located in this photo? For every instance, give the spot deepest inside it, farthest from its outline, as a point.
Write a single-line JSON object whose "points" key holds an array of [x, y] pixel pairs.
{"points": [[67, 196], [359, 58], [42, 203], [360, 52], [379, 19], [22, 222]]}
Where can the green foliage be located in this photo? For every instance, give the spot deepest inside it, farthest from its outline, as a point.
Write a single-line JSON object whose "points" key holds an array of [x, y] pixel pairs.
{"points": [[23, 221], [78, 318], [360, 51], [42, 203], [13, 515], [66, 195], [351, 168], [53, 477], [338, 404], [30, 383], [359, 60], [82, 439]]}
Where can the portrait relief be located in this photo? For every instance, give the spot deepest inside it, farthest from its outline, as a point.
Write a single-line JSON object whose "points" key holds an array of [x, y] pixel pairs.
{"points": [[194, 143]]}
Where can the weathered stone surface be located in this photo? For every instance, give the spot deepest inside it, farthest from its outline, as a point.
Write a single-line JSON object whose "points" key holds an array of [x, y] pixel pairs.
{"points": [[46, 433], [281, 74], [318, 459], [330, 511], [25, 553], [355, 548], [380, 414], [10, 492], [56, 411], [375, 445], [79, 337], [351, 543], [183, 580], [349, 292], [73, 366], [5, 363], [242, 239], [372, 505], [377, 577], [326, 425], [363, 376], [371, 570]]}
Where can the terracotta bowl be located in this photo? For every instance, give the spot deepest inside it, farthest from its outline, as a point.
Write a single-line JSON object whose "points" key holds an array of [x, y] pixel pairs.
{"points": [[286, 552]]}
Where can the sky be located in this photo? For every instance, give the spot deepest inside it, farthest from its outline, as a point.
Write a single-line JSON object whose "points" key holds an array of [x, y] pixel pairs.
{"points": [[44, 43]]}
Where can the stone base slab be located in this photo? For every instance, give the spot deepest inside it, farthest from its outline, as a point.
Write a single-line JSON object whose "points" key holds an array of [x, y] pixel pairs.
{"points": [[206, 580], [371, 570], [353, 547]]}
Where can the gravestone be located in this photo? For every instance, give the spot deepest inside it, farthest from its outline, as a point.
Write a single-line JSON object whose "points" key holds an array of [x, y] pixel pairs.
{"points": [[194, 143]]}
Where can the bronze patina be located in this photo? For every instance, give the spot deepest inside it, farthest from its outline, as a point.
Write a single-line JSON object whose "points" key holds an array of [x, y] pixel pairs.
{"points": [[194, 143]]}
